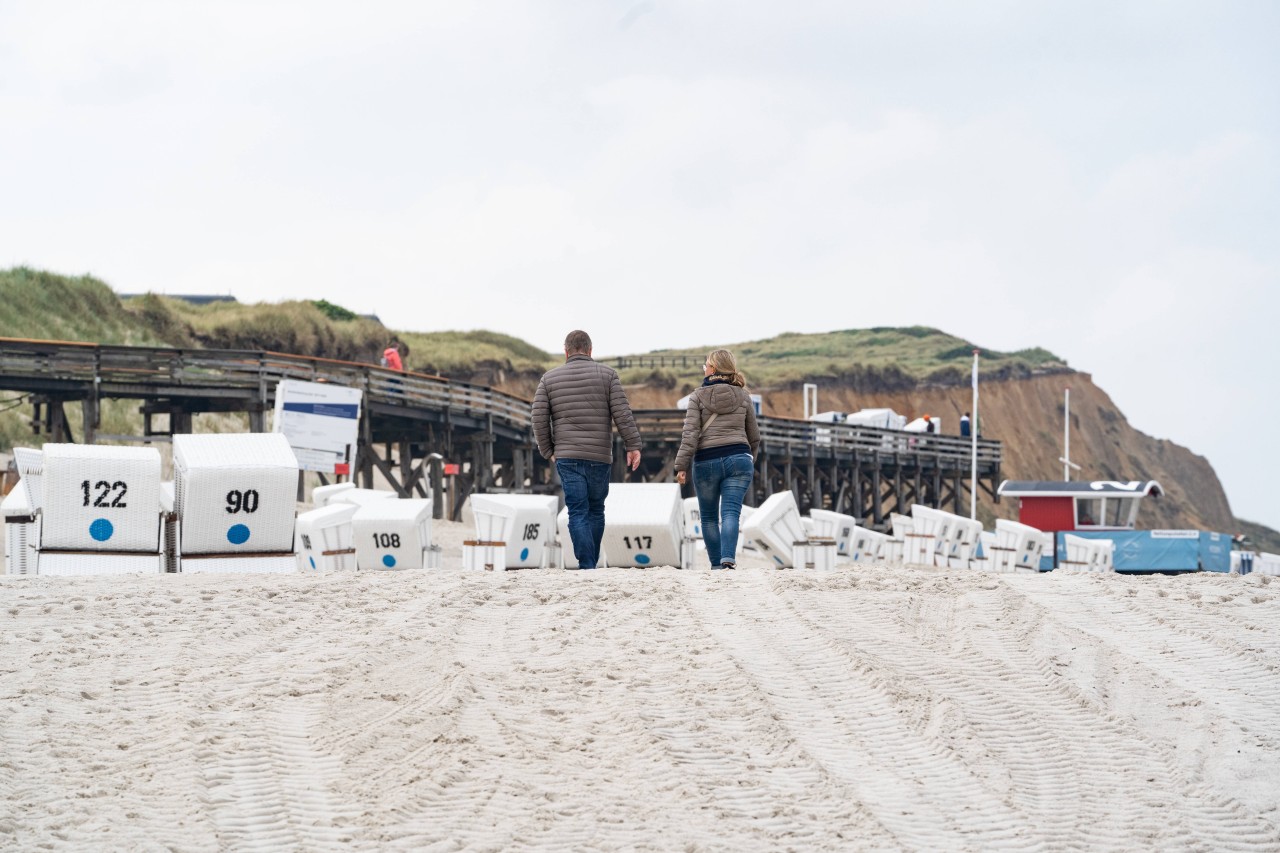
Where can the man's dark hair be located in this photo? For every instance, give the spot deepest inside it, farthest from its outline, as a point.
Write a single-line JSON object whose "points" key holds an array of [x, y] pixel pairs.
{"points": [[577, 341]]}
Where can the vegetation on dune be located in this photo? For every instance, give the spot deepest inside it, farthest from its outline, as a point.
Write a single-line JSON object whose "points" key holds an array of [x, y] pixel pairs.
{"points": [[36, 304], [296, 327], [460, 353], [880, 357]]}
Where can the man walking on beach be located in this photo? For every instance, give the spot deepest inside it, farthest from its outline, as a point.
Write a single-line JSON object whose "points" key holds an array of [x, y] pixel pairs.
{"points": [[574, 411]]}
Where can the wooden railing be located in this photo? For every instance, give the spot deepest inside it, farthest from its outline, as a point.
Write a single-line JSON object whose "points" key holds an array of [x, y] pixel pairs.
{"points": [[622, 362], [124, 371], [119, 371], [780, 434]]}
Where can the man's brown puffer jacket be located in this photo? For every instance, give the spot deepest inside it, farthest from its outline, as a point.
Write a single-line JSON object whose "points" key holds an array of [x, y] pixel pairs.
{"points": [[575, 408]]}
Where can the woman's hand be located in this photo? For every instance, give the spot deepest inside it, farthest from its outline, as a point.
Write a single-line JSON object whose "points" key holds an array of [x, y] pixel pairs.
{"points": [[680, 477]]}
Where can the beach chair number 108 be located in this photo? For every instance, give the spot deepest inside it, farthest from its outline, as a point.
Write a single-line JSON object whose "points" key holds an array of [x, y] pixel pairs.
{"points": [[238, 501], [386, 540], [104, 491]]}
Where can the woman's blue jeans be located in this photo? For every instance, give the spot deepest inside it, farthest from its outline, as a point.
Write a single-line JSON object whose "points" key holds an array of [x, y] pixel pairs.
{"points": [[721, 485], [586, 485]]}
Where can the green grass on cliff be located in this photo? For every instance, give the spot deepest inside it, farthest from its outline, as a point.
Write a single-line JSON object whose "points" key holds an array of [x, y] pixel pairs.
{"points": [[36, 304], [882, 356]]}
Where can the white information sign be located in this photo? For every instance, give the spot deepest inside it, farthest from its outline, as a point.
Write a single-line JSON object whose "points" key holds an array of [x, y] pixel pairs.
{"points": [[321, 422]]}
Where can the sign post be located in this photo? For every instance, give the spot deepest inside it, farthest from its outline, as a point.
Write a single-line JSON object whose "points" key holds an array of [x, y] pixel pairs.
{"points": [[973, 444], [321, 422]]}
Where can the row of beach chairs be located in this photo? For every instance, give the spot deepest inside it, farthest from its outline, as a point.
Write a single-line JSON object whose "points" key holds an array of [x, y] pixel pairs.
{"points": [[231, 507]]}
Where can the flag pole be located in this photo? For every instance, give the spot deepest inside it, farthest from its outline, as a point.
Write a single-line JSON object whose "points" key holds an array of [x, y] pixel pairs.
{"points": [[973, 441]]}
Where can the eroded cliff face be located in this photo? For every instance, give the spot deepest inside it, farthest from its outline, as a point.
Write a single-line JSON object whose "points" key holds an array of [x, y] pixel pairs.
{"points": [[1026, 416]]}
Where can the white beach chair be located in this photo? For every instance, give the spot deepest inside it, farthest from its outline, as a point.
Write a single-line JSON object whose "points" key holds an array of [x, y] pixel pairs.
{"points": [[692, 518], [326, 541], [814, 553], [360, 497], [235, 498], [1080, 554], [837, 526], [20, 531], [394, 535], [98, 511], [866, 546], [1018, 547], [644, 526], [524, 524], [22, 519], [964, 542], [774, 528], [927, 541], [1104, 560], [1243, 562], [986, 542], [1267, 564], [323, 495], [903, 527]]}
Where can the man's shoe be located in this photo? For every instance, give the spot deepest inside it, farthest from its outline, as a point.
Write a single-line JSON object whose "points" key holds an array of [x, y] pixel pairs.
{"points": [[728, 564]]}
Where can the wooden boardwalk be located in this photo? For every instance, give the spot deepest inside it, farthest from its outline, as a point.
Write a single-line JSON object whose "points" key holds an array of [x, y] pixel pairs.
{"points": [[412, 423]]}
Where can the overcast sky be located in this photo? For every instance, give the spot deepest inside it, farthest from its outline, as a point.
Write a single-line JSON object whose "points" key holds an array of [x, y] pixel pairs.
{"points": [[1098, 178]]}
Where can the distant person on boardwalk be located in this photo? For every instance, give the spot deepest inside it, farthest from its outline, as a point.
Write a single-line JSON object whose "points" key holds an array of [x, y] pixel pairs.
{"points": [[391, 356], [720, 439], [574, 411], [928, 424], [964, 425]]}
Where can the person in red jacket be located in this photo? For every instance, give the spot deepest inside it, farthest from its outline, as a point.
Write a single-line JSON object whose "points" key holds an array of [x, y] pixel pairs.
{"points": [[391, 356]]}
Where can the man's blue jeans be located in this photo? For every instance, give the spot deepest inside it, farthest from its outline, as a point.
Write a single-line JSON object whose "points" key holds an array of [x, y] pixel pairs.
{"points": [[721, 485], [586, 485]]}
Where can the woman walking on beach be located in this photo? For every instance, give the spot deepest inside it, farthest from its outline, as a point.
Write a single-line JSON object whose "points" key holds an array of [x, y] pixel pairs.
{"points": [[721, 439]]}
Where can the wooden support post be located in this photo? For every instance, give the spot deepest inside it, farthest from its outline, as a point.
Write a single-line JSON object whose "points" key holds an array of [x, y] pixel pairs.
{"points": [[89, 418], [877, 507]]}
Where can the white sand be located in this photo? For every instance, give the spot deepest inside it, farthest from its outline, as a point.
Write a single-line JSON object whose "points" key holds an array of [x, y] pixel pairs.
{"points": [[859, 709]]}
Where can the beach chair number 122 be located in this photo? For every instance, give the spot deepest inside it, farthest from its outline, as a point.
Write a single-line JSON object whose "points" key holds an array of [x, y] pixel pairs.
{"points": [[104, 491]]}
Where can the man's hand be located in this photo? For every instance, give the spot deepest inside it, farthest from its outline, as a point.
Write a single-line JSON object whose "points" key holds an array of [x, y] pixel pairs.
{"points": [[680, 478], [633, 459]]}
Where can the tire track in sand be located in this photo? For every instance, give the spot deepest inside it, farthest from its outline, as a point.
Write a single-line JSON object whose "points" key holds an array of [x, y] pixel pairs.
{"points": [[855, 729]]}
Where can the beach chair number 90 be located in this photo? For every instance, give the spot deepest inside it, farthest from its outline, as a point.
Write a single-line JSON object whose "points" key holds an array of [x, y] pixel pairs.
{"points": [[386, 540], [238, 501], [104, 491]]}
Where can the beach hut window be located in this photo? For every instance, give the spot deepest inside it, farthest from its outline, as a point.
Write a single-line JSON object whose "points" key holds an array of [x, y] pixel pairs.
{"points": [[1119, 511], [1089, 512]]}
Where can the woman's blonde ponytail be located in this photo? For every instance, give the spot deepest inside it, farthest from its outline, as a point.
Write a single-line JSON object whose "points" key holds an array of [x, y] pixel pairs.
{"points": [[724, 364]]}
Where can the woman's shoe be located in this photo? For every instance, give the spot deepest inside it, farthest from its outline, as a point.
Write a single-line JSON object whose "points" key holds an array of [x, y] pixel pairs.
{"points": [[728, 564]]}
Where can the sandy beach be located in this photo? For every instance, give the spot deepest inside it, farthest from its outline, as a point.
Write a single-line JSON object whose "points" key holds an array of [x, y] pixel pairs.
{"points": [[865, 708]]}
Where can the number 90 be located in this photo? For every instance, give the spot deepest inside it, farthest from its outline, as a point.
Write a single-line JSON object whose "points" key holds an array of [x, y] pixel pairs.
{"points": [[238, 501]]}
